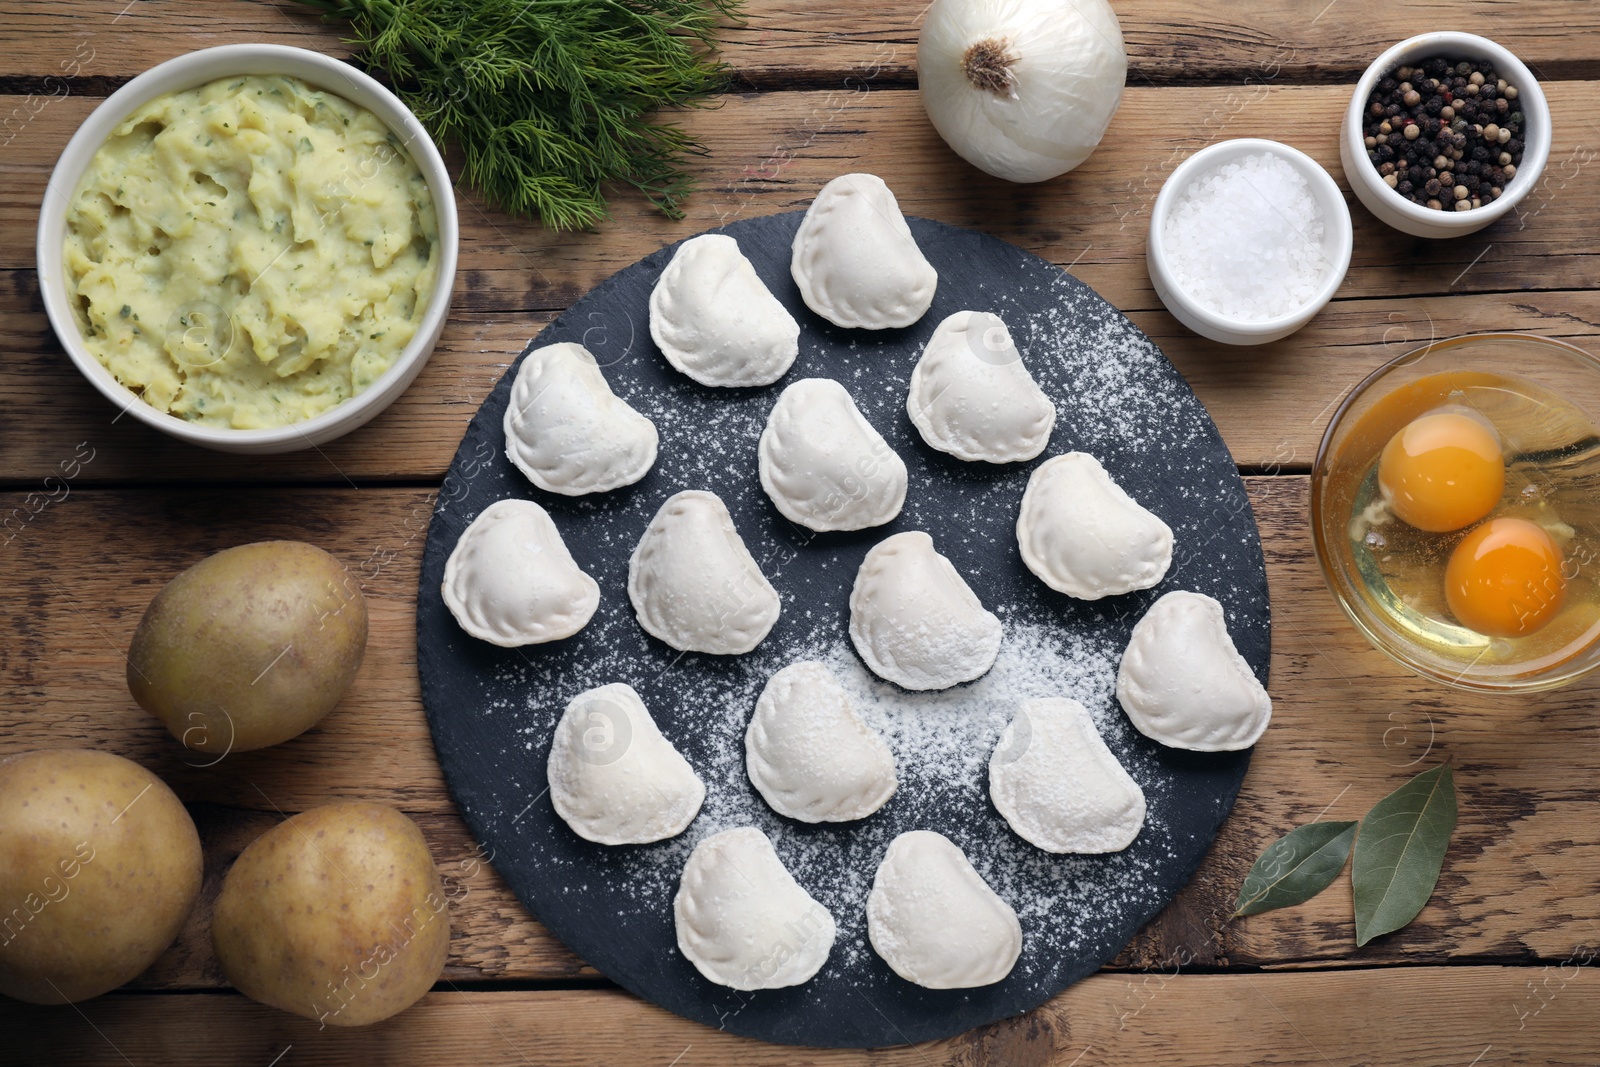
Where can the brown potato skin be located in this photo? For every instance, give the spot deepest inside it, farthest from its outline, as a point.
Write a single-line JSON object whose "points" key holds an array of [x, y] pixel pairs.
{"points": [[336, 914], [249, 647], [99, 867]]}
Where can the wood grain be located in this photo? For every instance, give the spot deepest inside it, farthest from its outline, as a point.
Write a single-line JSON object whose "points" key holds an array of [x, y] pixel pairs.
{"points": [[1271, 403], [770, 153], [412, 441], [825, 87], [1453, 1017], [784, 43], [1349, 726], [491, 935]]}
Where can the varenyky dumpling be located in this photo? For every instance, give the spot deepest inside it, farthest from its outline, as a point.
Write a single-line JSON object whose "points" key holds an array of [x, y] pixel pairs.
{"points": [[568, 432], [934, 919], [742, 919], [1059, 786], [1086, 537], [693, 583], [714, 319], [511, 581], [855, 260], [972, 397], [613, 777], [809, 753], [823, 464], [914, 620], [1184, 684]]}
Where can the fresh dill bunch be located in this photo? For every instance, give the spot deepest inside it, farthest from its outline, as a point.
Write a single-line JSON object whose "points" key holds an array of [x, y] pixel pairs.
{"points": [[549, 101]]}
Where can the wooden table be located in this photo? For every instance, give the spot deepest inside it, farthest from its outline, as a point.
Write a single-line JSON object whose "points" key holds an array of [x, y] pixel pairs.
{"points": [[1492, 972]]}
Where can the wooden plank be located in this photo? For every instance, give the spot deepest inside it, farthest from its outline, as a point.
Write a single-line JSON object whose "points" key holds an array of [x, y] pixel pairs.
{"points": [[785, 42], [414, 439], [1349, 726], [1425, 1015], [1270, 403], [771, 152], [492, 936]]}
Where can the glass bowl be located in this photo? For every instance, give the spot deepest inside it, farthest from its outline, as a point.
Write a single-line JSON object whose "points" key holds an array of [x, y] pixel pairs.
{"points": [[1540, 395]]}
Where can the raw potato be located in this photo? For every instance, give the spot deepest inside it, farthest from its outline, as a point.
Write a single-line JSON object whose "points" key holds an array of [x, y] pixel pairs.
{"points": [[99, 867], [249, 647], [336, 914]]}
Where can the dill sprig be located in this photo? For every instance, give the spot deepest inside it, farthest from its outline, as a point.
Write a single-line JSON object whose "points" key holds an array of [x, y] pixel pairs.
{"points": [[549, 101]]}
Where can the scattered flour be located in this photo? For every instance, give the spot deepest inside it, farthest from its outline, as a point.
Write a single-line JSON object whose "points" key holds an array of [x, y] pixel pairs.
{"points": [[941, 742], [1117, 397]]}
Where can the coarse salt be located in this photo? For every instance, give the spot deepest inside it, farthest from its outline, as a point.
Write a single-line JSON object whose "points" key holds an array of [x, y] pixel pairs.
{"points": [[1245, 239]]}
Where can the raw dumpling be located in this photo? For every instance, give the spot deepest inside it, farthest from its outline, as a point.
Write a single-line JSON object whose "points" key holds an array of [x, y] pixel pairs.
{"points": [[568, 432], [715, 321], [742, 919], [1084, 536], [613, 777], [972, 397], [915, 621], [934, 919], [810, 755], [1059, 786], [823, 464], [1184, 684], [511, 581], [855, 260], [693, 583]]}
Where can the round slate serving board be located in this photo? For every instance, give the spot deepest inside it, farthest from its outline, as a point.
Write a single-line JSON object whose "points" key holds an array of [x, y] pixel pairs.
{"points": [[492, 710]]}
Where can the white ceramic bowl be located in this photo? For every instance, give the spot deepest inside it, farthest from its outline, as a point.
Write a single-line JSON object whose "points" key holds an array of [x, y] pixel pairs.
{"points": [[188, 72], [1419, 221], [1336, 244]]}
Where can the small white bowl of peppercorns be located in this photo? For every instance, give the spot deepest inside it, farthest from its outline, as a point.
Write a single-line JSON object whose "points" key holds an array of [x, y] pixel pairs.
{"points": [[1446, 132]]}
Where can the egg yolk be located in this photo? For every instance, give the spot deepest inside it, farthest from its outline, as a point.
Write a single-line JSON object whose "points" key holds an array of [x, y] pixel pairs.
{"points": [[1504, 579], [1442, 472]]}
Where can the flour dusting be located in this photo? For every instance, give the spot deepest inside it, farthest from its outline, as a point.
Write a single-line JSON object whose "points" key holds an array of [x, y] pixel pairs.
{"points": [[493, 710]]}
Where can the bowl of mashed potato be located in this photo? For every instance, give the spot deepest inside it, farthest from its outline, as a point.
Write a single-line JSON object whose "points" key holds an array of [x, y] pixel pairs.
{"points": [[251, 248]]}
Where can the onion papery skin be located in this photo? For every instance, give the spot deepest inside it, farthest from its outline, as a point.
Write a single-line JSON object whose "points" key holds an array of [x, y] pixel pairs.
{"points": [[1066, 68]]}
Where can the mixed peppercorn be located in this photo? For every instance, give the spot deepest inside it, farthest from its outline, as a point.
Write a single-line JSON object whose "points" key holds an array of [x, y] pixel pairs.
{"points": [[1445, 135]]}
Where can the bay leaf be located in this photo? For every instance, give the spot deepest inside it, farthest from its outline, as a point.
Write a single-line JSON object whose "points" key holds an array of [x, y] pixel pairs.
{"points": [[1296, 867], [1400, 851]]}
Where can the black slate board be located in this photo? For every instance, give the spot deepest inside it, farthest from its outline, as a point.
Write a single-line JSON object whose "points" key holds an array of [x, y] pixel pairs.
{"points": [[492, 710]]}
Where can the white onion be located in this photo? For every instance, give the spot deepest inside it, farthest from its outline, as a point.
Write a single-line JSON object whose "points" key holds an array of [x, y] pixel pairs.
{"points": [[1022, 89]]}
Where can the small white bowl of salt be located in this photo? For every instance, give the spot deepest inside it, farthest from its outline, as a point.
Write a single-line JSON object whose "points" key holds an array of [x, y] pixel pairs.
{"points": [[1249, 239]]}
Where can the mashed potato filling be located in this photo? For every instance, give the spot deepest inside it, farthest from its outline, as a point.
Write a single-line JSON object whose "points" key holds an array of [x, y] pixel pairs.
{"points": [[250, 253]]}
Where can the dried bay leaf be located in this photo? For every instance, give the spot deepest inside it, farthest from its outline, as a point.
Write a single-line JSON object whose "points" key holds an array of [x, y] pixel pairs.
{"points": [[1296, 867], [1400, 851]]}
